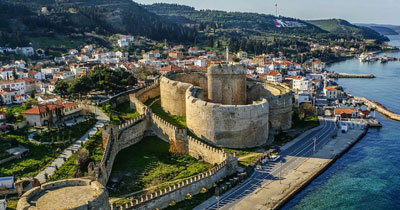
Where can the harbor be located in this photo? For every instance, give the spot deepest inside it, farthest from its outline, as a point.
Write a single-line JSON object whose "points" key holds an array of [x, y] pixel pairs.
{"points": [[366, 176]]}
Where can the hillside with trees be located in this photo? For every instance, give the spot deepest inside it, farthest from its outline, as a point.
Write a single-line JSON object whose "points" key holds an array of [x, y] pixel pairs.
{"points": [[236, 22], [345, 29], [24, 20]]}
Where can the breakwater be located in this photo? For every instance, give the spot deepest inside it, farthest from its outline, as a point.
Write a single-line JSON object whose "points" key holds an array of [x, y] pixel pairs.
{"points": [[346, 75], [379, 108]]}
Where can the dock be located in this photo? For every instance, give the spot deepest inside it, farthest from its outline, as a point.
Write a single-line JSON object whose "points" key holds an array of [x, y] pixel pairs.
{"points": [[346, 75]]}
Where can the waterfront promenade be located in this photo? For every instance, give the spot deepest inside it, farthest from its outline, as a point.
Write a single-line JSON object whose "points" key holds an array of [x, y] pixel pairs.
{"points": [[292, 156]]}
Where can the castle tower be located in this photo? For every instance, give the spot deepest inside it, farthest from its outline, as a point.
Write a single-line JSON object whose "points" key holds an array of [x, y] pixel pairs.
{"points": [[227, 84]]}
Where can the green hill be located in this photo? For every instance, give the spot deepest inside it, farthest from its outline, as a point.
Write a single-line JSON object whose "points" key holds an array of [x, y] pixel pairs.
{"points": [[233, 22], [346, 29], [24, 20]]}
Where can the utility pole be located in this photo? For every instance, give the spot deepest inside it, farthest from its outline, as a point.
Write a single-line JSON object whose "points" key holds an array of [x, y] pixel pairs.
{"points": [[227, 54], [280, 172], [315, 142], [276, 9]]}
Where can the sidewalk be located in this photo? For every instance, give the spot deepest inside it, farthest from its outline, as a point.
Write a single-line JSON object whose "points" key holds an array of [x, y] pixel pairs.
{"points": [[67, 153]]}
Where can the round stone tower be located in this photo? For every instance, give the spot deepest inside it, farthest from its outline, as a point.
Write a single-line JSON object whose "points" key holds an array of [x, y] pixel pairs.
{"points": [[69, 194], [227, 84]]}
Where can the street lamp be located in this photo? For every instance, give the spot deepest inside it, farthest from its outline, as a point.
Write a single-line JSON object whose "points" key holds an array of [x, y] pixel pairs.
{"points": [[315, 142]]}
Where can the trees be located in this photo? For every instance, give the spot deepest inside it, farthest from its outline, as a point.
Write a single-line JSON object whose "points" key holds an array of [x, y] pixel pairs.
{"points": [[99, 79]]}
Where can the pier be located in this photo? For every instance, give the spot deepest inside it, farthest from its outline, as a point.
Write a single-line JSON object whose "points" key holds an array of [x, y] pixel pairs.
{"points": [[346, 75]]}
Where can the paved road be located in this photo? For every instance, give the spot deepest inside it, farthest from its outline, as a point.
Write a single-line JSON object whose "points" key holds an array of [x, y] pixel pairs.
{"points": [[290, 159]]}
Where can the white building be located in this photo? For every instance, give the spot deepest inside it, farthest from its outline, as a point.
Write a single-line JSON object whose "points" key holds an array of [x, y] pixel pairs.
{"points": [[331, 92], [18, 85], [262, 69], [50, 71], [304, 97], [302, 84], [125, 41], [274, 76], [200, 62]]}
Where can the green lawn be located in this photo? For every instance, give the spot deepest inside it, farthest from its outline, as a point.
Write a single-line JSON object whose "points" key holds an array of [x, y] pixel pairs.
{"points": [[65, 134], [149, 163], [95, 147], [178, 121], [120, 114]]}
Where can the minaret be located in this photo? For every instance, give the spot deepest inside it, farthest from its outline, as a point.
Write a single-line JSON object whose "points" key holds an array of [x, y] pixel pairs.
{"points": [[227, 54]]}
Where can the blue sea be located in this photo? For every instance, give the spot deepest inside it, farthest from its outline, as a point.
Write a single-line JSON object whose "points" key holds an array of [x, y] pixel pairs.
{"points": [[368, 176]]}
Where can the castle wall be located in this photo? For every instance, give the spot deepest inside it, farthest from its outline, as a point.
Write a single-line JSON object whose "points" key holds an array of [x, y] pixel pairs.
{"points": [[233, 126], [138, 98], [178, 191], [227, 84], [280, 103], [117, 138], [98, 202], [173, 96], [173, 88]]}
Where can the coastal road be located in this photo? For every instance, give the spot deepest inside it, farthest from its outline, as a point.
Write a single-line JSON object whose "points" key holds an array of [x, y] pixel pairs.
{"points": [[291, 158]]}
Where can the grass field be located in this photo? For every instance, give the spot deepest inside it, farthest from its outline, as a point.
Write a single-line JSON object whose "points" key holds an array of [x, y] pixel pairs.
{"points": [[178, 121], [149, 163], [120, 114]]}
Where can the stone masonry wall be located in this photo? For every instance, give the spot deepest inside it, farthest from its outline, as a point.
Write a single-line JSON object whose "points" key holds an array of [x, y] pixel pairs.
{"points": [[227, 84], [233, 126], [173, 88], [117, 138], [98, 202], [178, 191], [138, 98], [280, 103]]}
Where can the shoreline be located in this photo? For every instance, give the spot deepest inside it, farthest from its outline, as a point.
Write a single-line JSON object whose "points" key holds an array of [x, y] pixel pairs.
{"points": [[280, 192], [319, 172]]}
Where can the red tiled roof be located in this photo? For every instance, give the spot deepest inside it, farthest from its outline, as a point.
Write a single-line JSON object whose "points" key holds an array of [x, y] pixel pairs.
{"points": [[171, 68], [344, 111]]}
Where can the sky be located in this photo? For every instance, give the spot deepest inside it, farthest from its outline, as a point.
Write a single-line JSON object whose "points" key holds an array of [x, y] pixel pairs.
{"points": [[355, 11]]}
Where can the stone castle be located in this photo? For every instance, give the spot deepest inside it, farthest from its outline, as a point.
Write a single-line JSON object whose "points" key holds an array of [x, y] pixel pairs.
{"points": [[224, 108]]}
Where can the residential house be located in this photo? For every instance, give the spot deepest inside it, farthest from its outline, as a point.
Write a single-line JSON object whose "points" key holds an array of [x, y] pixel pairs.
{"points": [[301, 84], [43, 114], [331, 92], [64, 75], [170, 68], [342, 113], [274, 76], [318, 66], [50, 71], [242, 54], [125, 40], [36, 75], [18, 85], [304, 97], [177, 55]]}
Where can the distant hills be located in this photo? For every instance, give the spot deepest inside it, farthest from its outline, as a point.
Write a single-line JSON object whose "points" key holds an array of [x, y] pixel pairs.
{"points": [[344, 28], [69, 23], [383, 29]]}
